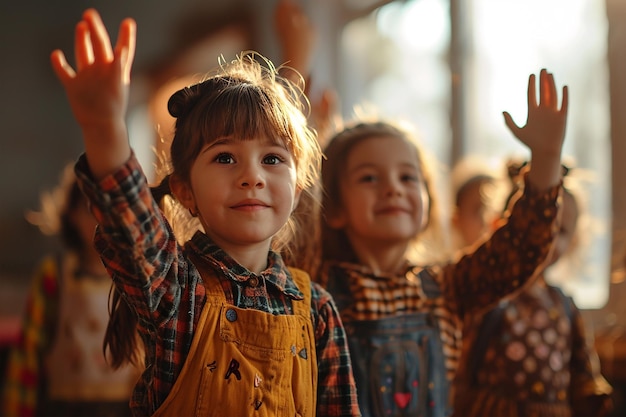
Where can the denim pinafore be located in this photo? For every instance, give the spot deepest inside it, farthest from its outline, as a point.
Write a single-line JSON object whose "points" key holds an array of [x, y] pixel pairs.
{"points": [[245, 362], [398, 361]]}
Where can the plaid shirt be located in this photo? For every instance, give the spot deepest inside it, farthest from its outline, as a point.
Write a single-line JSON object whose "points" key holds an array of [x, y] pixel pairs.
{"points": [[496, 269], [156, 277]]}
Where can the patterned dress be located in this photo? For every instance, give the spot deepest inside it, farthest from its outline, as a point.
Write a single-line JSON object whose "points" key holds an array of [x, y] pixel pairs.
{"points": [[530, 357]]}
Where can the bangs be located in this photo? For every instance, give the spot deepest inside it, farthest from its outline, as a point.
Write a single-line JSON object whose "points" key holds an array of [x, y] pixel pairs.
{"points": [[245, 102], [245, 112]]}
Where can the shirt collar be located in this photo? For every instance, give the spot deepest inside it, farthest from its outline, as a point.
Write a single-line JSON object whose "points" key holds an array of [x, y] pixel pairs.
{"points": [[364, 270], [276, 272]]}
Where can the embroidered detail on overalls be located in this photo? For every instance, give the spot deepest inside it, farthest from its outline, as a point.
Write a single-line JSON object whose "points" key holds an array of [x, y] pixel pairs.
{"points": [[257, 404], [257, 381], [233, 368], [212, 366], [302, 353]]}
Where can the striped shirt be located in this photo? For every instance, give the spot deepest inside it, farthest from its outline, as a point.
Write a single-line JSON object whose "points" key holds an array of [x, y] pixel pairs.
{"points": [[155, 276], [496, 269]]}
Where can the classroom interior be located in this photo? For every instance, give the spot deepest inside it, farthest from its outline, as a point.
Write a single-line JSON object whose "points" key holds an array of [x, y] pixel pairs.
{"points": [[448, 66]]}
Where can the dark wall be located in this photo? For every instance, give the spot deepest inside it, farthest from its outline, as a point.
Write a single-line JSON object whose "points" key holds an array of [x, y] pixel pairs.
{"points": [[39, 135]]}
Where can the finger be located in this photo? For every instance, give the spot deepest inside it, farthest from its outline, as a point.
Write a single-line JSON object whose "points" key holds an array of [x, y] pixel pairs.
{"points": [[125, 47], [548, 89], [532, 94], [565, 102], [544, 95], [99, 36], [62, 69], [508, 120], [83, 51], [554, 100]]}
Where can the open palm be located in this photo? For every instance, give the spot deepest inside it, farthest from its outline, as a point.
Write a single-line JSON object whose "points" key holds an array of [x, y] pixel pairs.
{"points": [[544, 131]]}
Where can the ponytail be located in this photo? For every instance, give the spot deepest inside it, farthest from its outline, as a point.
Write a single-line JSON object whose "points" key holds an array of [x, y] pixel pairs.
{"points": [[120, 339], [160, 191]]}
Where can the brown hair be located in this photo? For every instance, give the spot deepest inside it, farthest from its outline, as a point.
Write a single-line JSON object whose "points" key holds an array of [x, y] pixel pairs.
{"points": [[242, 99]]}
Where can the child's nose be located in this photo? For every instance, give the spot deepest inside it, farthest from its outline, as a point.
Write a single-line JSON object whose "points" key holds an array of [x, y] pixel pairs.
{"points": [[393, 187], [252, 176]]}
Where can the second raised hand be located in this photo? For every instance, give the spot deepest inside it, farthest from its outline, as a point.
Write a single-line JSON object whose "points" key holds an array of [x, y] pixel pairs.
{"points": [[544, 131]]}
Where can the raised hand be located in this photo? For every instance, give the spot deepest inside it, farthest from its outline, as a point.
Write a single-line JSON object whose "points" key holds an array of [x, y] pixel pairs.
{"points": [[325, 116], [544, 131], [545, 125], [97, 88], [296, 35]]}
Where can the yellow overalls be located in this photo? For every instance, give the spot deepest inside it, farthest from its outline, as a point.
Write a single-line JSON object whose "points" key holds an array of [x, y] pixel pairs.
{"points": [[245, 362]]}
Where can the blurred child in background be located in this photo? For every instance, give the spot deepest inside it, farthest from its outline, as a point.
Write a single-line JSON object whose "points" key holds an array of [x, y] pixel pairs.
{"points": [[58, 367]]}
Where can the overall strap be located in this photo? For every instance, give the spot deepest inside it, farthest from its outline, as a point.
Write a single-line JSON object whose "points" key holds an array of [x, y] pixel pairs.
{"points": [[429, 284], [303, 282]]}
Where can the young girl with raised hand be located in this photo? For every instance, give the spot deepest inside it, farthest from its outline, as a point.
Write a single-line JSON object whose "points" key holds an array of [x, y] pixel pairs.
{"points": [[404, 321], [228, 329]]}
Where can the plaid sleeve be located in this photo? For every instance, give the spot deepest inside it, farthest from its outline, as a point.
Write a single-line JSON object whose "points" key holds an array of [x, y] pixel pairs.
{"points": [[134, 239], [25, 373], [148, 267], [510, 258], [336, 391]]}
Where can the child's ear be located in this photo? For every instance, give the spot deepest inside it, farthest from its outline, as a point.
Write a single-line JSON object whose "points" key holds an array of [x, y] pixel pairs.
{"points": [[183, 193]]}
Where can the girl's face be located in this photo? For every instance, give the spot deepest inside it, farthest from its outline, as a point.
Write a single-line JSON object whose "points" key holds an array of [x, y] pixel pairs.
{"points": [[242, 190], [472, 217], [384, 199]]}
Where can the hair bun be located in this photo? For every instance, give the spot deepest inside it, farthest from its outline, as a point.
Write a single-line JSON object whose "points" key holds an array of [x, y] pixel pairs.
{"points": [[183, 100]]}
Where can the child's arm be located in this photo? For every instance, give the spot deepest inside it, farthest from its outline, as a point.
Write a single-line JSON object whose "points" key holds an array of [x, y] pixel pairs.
{"points": [[297, 38], [296, 35], [98, 89], [544, 131]]}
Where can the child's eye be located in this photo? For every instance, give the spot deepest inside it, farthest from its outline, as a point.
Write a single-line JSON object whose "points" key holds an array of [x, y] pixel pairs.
{"points": [[273, 159], [224, 158], [367, 178], [409, 178]]}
